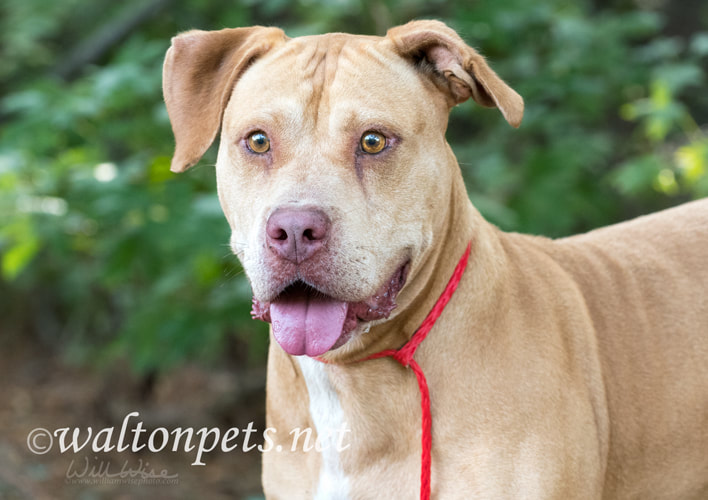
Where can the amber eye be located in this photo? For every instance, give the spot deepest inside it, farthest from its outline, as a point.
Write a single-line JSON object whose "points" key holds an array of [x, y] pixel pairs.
{"points": [[258, 142], [373, 142]]}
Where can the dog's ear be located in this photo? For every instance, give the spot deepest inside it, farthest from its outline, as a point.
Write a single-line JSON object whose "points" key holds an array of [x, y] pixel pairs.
{"points": [[200, 71], [458, 68]]}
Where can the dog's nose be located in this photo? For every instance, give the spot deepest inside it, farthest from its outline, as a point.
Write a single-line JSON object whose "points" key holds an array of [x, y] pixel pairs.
{"points": [[296, 234]]}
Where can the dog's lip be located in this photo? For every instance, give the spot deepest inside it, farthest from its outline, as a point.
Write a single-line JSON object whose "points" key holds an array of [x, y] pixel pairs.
{"points": [[378, 306]]}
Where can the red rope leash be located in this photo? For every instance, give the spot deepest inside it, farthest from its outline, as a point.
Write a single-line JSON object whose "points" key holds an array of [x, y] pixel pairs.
{"points": [[404, 356]]}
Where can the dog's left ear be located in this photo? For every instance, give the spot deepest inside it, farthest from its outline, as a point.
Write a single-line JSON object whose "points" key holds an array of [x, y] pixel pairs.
{"points": [[460, 70]]}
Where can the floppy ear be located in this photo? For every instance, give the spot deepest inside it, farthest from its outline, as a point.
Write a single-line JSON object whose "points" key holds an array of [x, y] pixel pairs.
{"points": [[460, 70], [200, 70]]}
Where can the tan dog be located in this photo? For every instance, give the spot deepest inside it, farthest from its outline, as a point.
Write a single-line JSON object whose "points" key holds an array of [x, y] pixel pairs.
{"points": [[575, 368]]}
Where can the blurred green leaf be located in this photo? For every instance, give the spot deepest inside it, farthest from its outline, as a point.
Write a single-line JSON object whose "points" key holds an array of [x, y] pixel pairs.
{"points": [[21, 245], [699, 44], [692, 160], [638, 175], [678, 76]]}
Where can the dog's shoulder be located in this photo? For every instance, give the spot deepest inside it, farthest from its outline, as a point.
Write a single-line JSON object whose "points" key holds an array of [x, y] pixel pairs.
{"points": [[665, 251]]}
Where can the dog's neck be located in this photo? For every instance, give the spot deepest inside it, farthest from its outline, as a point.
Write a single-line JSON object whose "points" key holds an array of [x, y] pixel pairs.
{"points": [[332, 389]]}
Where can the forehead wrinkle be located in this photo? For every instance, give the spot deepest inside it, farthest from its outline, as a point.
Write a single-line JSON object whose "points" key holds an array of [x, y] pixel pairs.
{"points": [[320, 66]]}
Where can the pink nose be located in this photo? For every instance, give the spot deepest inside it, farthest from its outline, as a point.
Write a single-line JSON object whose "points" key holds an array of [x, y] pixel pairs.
{"points": [[296, 234]]}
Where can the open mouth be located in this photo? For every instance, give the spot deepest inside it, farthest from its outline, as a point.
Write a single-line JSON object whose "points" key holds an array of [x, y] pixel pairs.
{"points": [[307, 321]]}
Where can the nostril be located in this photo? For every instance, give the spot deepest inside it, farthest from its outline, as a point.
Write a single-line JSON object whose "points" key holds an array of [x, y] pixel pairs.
{"points": [[280, 235], [316, 230]]}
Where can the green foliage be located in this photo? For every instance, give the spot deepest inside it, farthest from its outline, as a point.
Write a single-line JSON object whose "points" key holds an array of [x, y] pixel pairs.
{"points": [[676, 149], [103, 250], [107, 254], [572, 165]]}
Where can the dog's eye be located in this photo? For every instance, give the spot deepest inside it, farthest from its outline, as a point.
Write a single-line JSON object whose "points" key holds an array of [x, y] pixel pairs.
{"points": [[373, 142], [258, 142]]}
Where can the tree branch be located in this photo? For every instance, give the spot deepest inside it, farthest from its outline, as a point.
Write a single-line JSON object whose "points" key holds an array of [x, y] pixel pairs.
{"points": [[108, 36]]}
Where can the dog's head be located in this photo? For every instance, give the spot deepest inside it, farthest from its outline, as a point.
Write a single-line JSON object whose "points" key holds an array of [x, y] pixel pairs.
{"points": [[333, 170]]}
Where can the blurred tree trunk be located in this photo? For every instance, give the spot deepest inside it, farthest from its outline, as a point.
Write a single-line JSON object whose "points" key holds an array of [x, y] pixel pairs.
{"points": [[106, 37]]}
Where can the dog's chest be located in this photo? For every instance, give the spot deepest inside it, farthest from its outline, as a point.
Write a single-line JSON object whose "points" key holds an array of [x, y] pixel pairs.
{"points": [[330, 424]]}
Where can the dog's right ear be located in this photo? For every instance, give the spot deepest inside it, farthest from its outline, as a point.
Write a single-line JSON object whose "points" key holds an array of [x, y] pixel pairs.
{"points": [[200, 71], [458, 69]]}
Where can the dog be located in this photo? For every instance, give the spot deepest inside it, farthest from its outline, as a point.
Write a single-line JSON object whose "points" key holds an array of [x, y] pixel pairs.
{"points": [[570, 368]]}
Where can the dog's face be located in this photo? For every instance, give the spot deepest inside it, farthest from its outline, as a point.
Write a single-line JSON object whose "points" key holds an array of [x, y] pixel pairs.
{"points": [[348, 155], [333, 170]]}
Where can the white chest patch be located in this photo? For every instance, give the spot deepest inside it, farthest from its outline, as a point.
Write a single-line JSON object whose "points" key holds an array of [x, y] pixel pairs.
{"points": [[330, 424]]}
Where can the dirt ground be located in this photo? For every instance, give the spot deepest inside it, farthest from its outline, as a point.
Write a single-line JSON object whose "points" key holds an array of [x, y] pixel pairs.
{"points": [[38, 391]]}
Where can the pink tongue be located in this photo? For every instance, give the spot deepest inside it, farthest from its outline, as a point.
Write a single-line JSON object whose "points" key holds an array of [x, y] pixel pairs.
{"points": [[307, 324]]}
